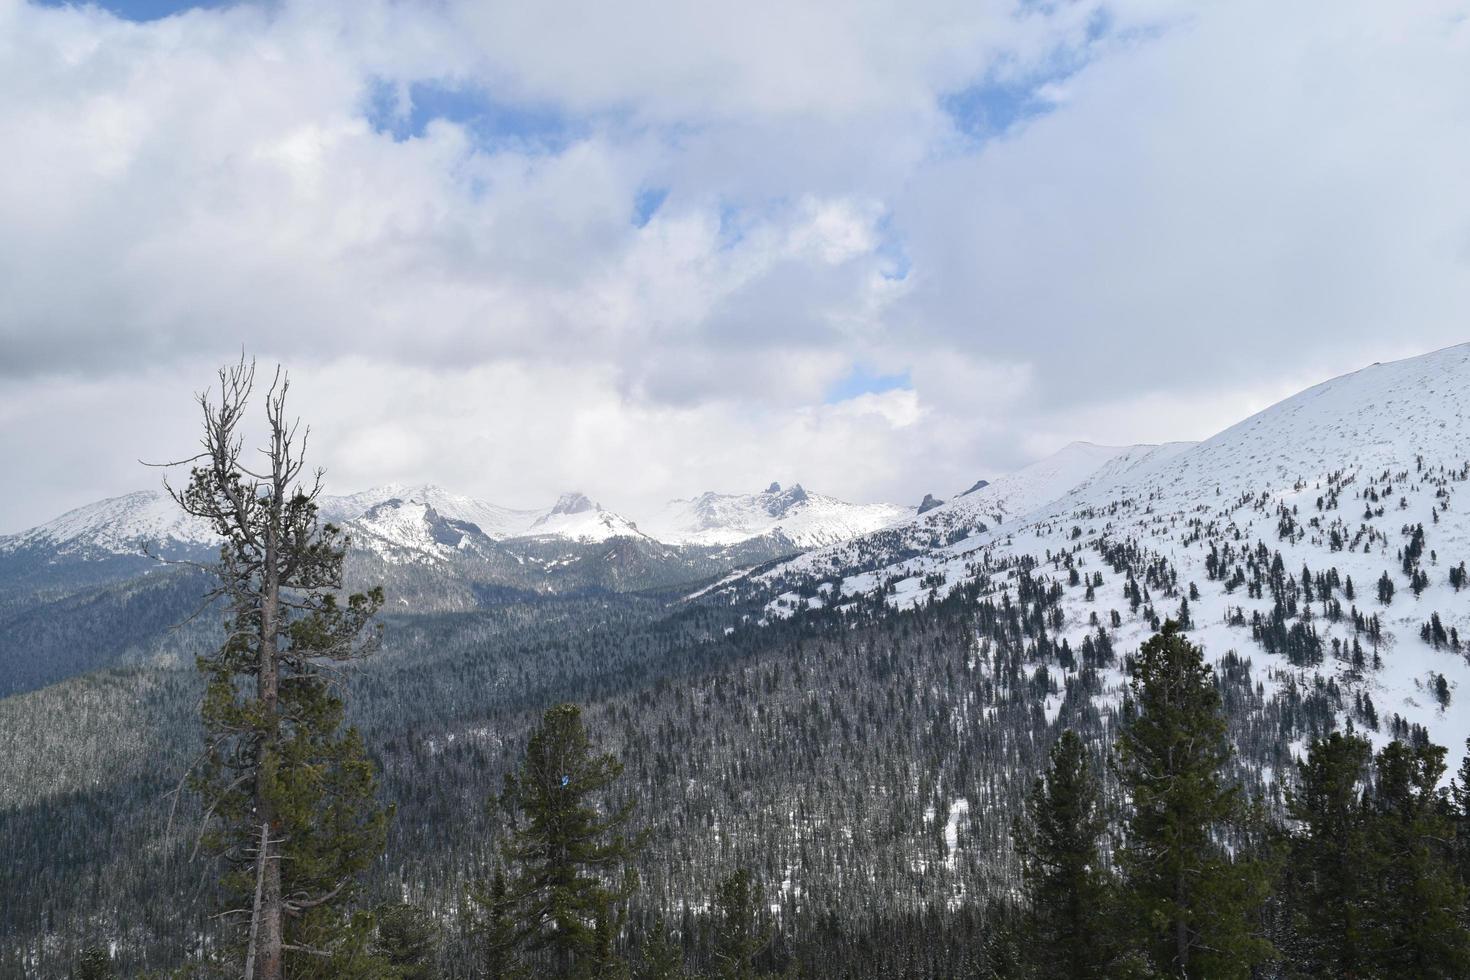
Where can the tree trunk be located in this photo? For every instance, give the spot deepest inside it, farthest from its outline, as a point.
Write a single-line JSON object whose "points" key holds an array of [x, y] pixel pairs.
{"points": [[268, 955], [1181, 925], [265, 836]]}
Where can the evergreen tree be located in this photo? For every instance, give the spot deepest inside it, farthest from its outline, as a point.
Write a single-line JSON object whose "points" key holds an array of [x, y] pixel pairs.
{"points": [[1058, 839], [1331, 856], [1417, 905], [661, 957], [94, 963], [406, 941], [739, 934], [289, 796], [1385, 589], [1460, 799], [1193, 903], [497, 939], [569, 848], [1003, 947]]}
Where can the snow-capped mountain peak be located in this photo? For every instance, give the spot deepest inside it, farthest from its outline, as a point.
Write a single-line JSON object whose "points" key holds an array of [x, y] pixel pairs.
{"points": [[803, 518], [400, 530], [127, 525], [576, 517], [575, 502]]}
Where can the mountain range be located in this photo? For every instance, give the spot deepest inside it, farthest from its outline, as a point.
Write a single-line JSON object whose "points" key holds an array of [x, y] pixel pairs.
{"points": [[426, 522], [852, 698]]}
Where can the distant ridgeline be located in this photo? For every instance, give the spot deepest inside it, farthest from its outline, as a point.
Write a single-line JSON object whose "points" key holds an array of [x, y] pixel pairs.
{"points": [[854, 712]]}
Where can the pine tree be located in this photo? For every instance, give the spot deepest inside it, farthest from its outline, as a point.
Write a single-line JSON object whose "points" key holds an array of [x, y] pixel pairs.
{"points": [[661, 957], [406, 941], [739, 933], [1331, 856], [569, 848], [1417, 905], [1193, 904], [1385, 589], [288, 795], [94, 963], [1058, 839], [497, 939], [1460, 800]]}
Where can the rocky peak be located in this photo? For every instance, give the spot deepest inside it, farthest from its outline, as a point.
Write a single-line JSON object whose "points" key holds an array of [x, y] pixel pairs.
{"points": [[575, 502]]}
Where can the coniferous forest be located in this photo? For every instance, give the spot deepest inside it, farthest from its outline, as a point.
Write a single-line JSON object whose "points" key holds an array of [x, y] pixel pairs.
{"points": [[596, 786]]}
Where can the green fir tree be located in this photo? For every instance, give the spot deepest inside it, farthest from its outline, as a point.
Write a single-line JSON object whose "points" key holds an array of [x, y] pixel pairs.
{"points": [[660, 957], [1417, 905], [570, 849], [1059, 838], [740, 934], [1195, 907], [1331, 855]]}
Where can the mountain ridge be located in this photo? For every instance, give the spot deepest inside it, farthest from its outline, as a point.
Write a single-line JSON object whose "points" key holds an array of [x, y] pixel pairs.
{"points": [[1271, 537]]}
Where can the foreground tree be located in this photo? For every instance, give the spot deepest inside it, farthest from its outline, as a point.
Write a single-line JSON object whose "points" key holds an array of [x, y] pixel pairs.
{"points": [[1193, 903], [1059, 838], [661, 957], [569, 850], [739, 934], [495, 930], [1417, 905], [288, 794], [1460, 797], [1332, 857], [406, 941]]}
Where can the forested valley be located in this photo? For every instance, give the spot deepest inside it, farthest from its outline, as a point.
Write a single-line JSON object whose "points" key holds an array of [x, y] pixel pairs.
{"points": [[685, 780], [827, 759]]}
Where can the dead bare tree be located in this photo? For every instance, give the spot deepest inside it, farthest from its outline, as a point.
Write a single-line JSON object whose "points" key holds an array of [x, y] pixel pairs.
{"points": [[289, 797]]}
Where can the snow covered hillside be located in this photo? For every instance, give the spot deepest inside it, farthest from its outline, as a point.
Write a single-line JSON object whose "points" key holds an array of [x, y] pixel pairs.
{"points": [[493, 521], [804, 518], [119, 525], [1324, 538], [991, 505], [577, 518]]}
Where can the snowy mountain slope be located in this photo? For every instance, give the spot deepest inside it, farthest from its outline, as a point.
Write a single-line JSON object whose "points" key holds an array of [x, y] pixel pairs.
{"points": [[577, 518], [119, 525], [414, 531], [493, 520], [1017, 494], [392, 520], [804, 518], [1272, 535], [998, 503]]}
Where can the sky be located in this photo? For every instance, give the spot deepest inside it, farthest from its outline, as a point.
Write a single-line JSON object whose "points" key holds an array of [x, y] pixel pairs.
{"points": [[648, 249]]}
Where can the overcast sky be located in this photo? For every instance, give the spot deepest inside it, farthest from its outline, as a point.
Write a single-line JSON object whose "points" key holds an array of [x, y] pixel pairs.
{"points": [[647, 249]]}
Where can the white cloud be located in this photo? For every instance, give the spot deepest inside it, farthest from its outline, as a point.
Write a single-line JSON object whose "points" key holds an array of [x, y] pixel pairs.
{"points": [[1215, 204]]}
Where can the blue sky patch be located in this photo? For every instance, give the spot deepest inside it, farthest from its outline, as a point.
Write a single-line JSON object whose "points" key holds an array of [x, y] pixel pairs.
{"points": [[893, 255], [494, 124], [863, 381], [991, 108], [142, 10], [646, 204]]}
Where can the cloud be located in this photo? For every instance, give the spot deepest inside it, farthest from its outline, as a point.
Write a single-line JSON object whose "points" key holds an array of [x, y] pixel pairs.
{"points": [[636, 248]]}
